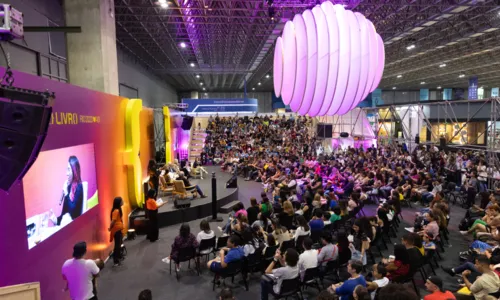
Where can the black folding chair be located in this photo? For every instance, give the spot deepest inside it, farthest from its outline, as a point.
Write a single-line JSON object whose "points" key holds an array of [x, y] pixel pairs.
{"points": [[221, 243], [289, 288], [233, 268], [299, 242], [286, 245], [311, 278], [185, 254], [206, 247]]}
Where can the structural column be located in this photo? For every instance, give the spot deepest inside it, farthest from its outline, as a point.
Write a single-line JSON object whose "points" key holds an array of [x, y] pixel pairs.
{"points": [[92, 60]]}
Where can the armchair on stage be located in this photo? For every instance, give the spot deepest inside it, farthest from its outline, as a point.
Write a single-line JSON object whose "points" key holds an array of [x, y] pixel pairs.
{"points": [[182, 192]]}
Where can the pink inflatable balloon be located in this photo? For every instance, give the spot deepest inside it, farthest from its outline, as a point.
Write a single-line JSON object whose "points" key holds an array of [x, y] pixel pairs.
{"points": [[289, 62], [381, 60], [312, 61], [355, 69], [323, 60], [333, 31], [344, 59], [301, 74], [278, 67], [365, 59], [372, 40]]}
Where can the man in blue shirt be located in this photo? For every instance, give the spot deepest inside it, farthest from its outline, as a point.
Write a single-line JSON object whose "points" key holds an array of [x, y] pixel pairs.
{"points": [[344, 290], [316, 223], [234, 253]]}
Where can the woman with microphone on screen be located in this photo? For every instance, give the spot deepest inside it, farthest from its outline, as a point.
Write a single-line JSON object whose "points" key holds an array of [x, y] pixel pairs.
{"points": [[72, 196]]}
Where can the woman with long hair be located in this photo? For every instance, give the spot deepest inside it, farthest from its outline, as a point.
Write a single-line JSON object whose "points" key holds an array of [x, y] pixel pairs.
{"points": [[154, 176], [400, 266], [287, 215], [116, 229], [302, 229], [72, 196], [184, 240], [152, 214]]}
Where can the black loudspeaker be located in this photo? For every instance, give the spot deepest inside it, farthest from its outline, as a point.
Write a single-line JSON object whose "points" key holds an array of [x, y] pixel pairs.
{"points": [[417, 139], [344, 134], [442, 142], [23, 129], [187, 122], [324, 131], [232, 183]]}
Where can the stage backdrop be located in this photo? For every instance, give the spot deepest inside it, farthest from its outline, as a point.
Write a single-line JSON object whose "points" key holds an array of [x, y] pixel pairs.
{"points": [[80, 116]]}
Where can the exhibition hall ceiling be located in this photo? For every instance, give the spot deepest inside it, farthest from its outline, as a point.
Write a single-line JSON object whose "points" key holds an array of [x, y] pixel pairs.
{"points": [[217, 45]]}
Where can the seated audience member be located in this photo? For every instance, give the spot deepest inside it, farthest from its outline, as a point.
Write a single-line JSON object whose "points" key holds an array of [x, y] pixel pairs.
{"points": [[400, 266], [280, 233], [79, 272], [428, 243], [302, 229], [265, 206], [205, 234], [226, 294], [271, 282], [360, 293], [395, 291], [187, 183], [432, 226], [309, 258], [485, 284], [336, 215], [145, 295], [345, 290], [317, 224], [185, 239], [326, 218], [253, 211], [287, 215], [379, 279], [329, 251], [434, 285], [326, 295], [415, 257], [234, 253]]}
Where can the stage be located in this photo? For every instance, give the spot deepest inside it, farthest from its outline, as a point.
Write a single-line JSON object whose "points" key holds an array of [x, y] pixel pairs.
{"points": [[200, 207]]}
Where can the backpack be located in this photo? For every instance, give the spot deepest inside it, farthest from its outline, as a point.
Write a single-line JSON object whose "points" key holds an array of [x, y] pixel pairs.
{"points": [[464, 224]]}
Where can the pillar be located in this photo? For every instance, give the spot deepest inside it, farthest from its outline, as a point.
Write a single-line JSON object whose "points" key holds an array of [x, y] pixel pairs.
{"points": [[92, 60]]}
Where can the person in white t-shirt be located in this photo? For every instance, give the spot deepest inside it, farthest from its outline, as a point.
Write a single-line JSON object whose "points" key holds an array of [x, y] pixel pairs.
{"points": [[309, 258], [79, 272], [205, 234], [380, 280]]}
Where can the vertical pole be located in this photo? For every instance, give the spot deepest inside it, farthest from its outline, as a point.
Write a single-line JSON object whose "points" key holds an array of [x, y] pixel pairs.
{"points": [[214, 197]]}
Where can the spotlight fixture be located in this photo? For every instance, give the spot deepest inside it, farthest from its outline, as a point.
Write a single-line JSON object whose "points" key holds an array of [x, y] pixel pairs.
{"points": [[162, 1], [259, 83], [183, 45], [423, 82], [442, 65], [267, 76], [439, 87], [394, 88], [197, 75], [271, 12], [204, 89], [206, 94], [201, 83], [410, 47], [163, 4], [192, 65], [399, 76], [253, 89], [461, 75]]}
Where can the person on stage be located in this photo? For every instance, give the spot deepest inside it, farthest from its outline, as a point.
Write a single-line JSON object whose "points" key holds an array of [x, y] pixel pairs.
{"points": [[187, 183], [72, 196], [116, 230], [154, 176], [152, 213]]}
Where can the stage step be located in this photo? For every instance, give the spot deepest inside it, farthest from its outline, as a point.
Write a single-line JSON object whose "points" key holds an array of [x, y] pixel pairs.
{"points": [[228, 207]]}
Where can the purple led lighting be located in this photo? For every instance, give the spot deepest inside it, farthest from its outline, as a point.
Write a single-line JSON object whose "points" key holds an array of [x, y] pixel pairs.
{"points": [[289, 62], [365, 57], [355, 68], [323, 60], [278, 67], [333, 30], [312, 61], [301, 74], [344, 59], [328, 61], [381, 60]]}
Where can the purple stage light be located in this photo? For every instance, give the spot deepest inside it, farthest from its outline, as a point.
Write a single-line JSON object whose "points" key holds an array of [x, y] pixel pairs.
{"points": [[278, 67], [344, 61]]}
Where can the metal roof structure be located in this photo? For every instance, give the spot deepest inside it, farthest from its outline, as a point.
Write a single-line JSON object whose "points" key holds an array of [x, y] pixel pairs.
{"points": [[429, 43]]}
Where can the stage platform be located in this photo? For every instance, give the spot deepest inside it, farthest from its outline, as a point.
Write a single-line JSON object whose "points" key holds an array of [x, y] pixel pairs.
{"points": [[200, 207]]}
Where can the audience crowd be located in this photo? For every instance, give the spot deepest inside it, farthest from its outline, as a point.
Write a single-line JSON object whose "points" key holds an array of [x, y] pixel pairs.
{"points": [[309, 224]]}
